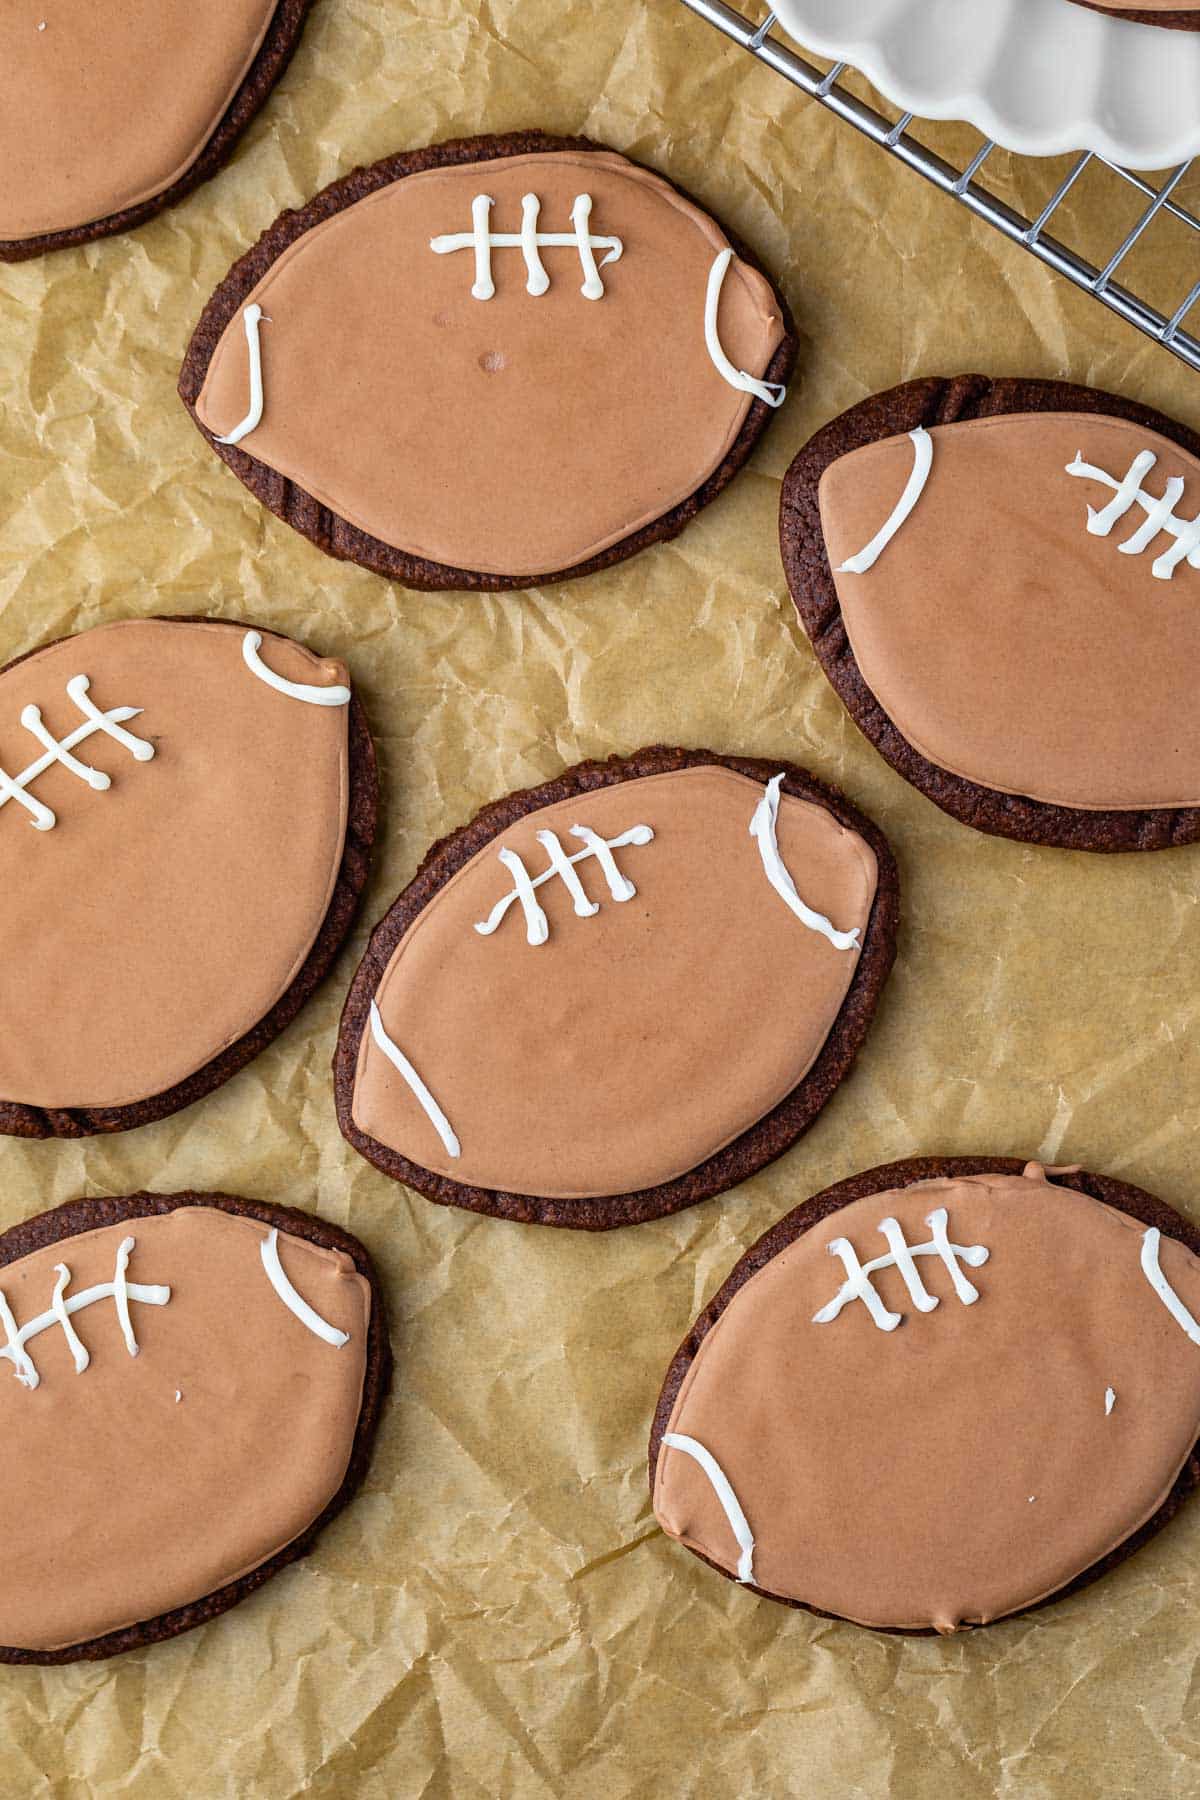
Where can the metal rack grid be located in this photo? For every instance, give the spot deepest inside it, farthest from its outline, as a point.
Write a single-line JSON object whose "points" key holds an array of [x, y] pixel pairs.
{"points": [[827, 88]]}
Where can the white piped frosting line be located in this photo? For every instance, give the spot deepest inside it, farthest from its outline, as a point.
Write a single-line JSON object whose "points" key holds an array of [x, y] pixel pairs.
{"points": [[562, 867], [1161, 518], [120, 1290], [723, 1489], [296, 1303], [16, 787], [250, 320], [922, 464], [900, 1256], [762, 830], [1163, 1288], [774, 393], [295, 690], [481, 240], [425, 1099]]}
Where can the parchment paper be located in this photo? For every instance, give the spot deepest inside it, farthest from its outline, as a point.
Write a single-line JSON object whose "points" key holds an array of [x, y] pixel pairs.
{"points": [[497, 1614]]}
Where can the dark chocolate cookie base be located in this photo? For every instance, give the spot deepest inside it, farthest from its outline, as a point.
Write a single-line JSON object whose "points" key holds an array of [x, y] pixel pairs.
{"points": [[766, 1140], [91, 1215], [328, 530], [929, 402], [1118, 1194], [1173, 21], [18, 1120], [274, 54]]}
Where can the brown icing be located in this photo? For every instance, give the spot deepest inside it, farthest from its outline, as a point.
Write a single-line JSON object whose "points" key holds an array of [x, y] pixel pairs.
{"points": [[127, 1502], [163, 917], [105, 105], [633, 1044], [1008, 644], [962, 1466], [510, 435]]}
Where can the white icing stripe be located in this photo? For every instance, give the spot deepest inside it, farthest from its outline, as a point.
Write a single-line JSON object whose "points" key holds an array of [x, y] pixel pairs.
{"points": [[773, 392], [723, 1489], [425, 1099], [1163, 1288], [922, 463], [15, 787], [536, 278], [857, 1285], [762, 830], [537, 928], [530, 241], [295, 1302], [120, 1290], [1160, 513], [250, 319], [295, 690], [79, 1355]]}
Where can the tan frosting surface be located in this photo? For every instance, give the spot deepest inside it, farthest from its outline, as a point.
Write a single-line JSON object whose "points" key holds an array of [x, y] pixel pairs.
{"points": [[1008, 644], [633, 1044], [125, 1502], [962, 1466], [516, 435], [161, 918], [103, 105]]}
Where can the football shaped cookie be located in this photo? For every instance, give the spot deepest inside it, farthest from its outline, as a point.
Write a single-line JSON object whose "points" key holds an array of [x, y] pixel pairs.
{"points": [[186, 816], [619, 993], [109, 113], [501, 361], [937, 1394], [1002, 581], [189, 1392]]}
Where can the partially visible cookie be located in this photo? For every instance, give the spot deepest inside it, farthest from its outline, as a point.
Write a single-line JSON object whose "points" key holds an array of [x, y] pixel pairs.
{"points": [[187, 809], [110, 114], [619, 993], [581, 360], [937, 1394], [1001, 580], [1149, 12], [191, 1392]]}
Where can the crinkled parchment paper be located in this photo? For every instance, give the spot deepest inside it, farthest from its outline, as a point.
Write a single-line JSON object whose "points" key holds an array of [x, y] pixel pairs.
{"points": [[497, 1614]]}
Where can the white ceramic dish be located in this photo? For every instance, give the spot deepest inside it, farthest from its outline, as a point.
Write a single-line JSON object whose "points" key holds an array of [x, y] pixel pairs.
{"points": [[1038, 76]]}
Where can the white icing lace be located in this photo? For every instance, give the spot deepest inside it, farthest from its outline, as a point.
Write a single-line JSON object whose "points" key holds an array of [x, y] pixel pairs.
{"points": [[1161, 518], [562, 866], [530, 242], [857, 1285], [120, 1290], [16, 787]]}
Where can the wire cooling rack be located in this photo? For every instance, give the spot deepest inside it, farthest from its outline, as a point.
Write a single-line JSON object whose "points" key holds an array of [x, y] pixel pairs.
{"points": [[1158, 203]]}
